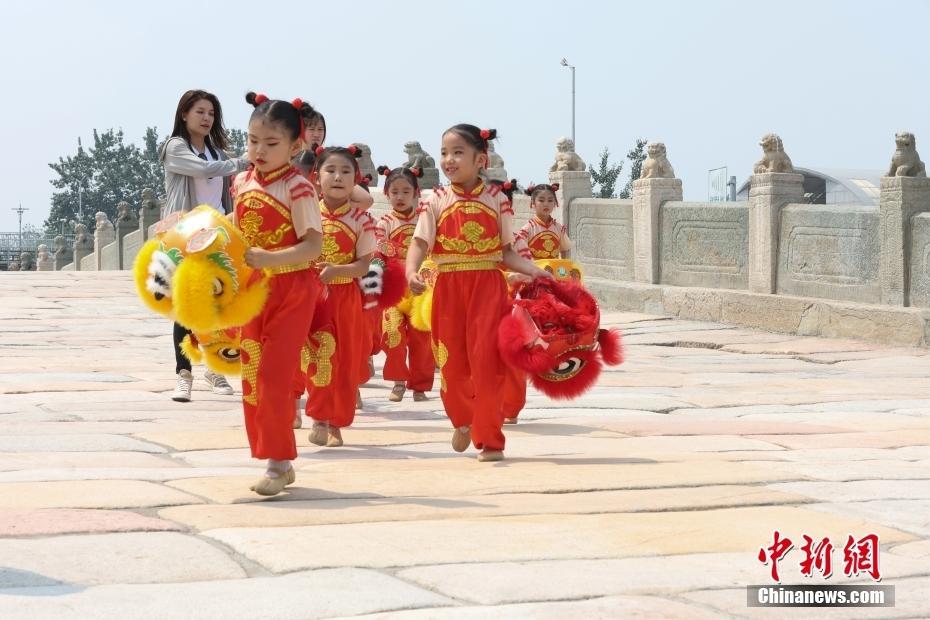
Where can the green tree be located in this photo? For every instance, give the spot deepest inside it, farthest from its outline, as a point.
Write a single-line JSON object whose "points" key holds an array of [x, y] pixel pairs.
{"points": [[636, 156], [237, 141], [98, 178], [605, 177]]}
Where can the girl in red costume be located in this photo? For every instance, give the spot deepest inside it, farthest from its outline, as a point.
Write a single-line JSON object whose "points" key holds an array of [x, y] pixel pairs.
{"points": [[399, 338], [543, 237], [276, 210], [468, 229], [337, 365], [314, 135]]}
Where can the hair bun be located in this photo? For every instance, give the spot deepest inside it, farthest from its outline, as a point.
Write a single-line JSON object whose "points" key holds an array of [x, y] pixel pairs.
{"points": [[529, 190], [255, 99], [319, 150], [356, 152], [384, 170], [555, 187], [416, 172]]}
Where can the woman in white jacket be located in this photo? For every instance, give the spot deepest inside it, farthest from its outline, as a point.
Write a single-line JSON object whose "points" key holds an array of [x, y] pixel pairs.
{"points": [[197, 171]]}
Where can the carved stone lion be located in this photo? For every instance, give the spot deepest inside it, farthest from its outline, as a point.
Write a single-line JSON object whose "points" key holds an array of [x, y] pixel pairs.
{"points": [[365, 164], [566, 158], [60, 246], [906, 162], [417, 157], [103, 223], [26, 263], [124, 214], [774, 158], [656, 165], [81, 239]]}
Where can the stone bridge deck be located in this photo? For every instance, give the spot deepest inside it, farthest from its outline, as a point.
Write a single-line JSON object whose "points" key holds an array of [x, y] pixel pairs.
{"points": [[650, 497]]}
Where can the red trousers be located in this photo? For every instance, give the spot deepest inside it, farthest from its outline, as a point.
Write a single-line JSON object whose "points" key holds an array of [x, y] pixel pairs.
{"points": [[467, 309], [271, 345], [400, 339], [346, 342], [513, 395]]}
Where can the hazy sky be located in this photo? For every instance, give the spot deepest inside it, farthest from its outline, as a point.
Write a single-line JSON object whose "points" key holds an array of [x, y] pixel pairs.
{"points": [[834, 79]]}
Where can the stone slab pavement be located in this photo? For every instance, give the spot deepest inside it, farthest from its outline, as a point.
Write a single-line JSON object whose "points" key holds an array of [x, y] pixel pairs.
{"points": [[650, 497]]}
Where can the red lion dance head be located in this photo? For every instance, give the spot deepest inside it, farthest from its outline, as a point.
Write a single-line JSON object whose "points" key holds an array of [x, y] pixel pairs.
{"points": [[553, 333]]}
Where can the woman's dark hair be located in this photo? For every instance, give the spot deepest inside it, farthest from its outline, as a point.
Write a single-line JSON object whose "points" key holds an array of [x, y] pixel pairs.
{"points": [[217, 138], [286, 114], [311, 115], [408, 174], [478, 138], [351, 153], [507, 187], [535, 190]]}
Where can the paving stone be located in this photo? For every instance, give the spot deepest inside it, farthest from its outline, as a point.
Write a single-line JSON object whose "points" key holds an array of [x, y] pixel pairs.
{"points": [[315, 594], [49, 522], [912, 600], [88, 442], [362, 510], [576, 579], [608, 607], [151, 557], [90, 494], [461, 477], [534, 538], [25, 461]]}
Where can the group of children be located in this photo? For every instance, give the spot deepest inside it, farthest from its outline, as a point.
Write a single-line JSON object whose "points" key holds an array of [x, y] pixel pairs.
{"points": [[303, 212]]}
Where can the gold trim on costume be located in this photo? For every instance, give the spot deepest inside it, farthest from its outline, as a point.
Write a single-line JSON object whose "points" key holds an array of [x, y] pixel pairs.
{"points": [[250, 370], [479, 265], [289, 268], [321, 357]]}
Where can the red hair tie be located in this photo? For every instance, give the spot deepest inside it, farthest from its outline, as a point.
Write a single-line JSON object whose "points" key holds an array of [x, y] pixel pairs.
{"points": [[416, 172], [319, 150], [260, 99], [386, 171], [298, 103], [507, 186], [352, 149], [555, 187], [485, 134]]}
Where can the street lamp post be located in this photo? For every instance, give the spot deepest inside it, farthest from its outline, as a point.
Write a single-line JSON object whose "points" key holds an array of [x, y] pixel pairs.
{"points": [[564, 63], [20, 212]]}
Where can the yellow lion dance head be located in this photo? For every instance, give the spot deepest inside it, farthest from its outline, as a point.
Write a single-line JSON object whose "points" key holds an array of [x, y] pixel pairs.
{"points": [[194, 272]]}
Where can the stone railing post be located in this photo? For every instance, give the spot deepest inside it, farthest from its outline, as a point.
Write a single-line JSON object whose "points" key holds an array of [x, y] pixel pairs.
{"points": [[572, 184], [126, 222], [768, 193], [83, 245], [62, 254], [104, 235], [648, 196], [149, 213], [901, 198]]}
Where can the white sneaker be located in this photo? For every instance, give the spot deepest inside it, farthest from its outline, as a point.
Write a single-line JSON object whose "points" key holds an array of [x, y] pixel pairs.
{"points": [[182, 390], [219, 383]]}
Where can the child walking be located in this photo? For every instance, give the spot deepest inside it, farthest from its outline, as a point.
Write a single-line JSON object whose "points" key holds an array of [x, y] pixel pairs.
{"points": [[543, 237], [468, 229], [400, 340], [339, 362], [277, 211]]}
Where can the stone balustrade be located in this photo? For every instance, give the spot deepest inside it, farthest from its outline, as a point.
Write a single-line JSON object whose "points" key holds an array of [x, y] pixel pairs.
{"points": [[772, 261]]}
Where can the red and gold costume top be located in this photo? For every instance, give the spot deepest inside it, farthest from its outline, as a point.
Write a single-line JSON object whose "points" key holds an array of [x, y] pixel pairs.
{"points": [[348, 233], [466, 228], [275, 210], [397, 229], [539, 240]]}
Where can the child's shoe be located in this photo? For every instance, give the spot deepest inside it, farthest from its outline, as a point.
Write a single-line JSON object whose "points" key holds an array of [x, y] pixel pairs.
{"points": [[461, 438], [397, 393]]}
